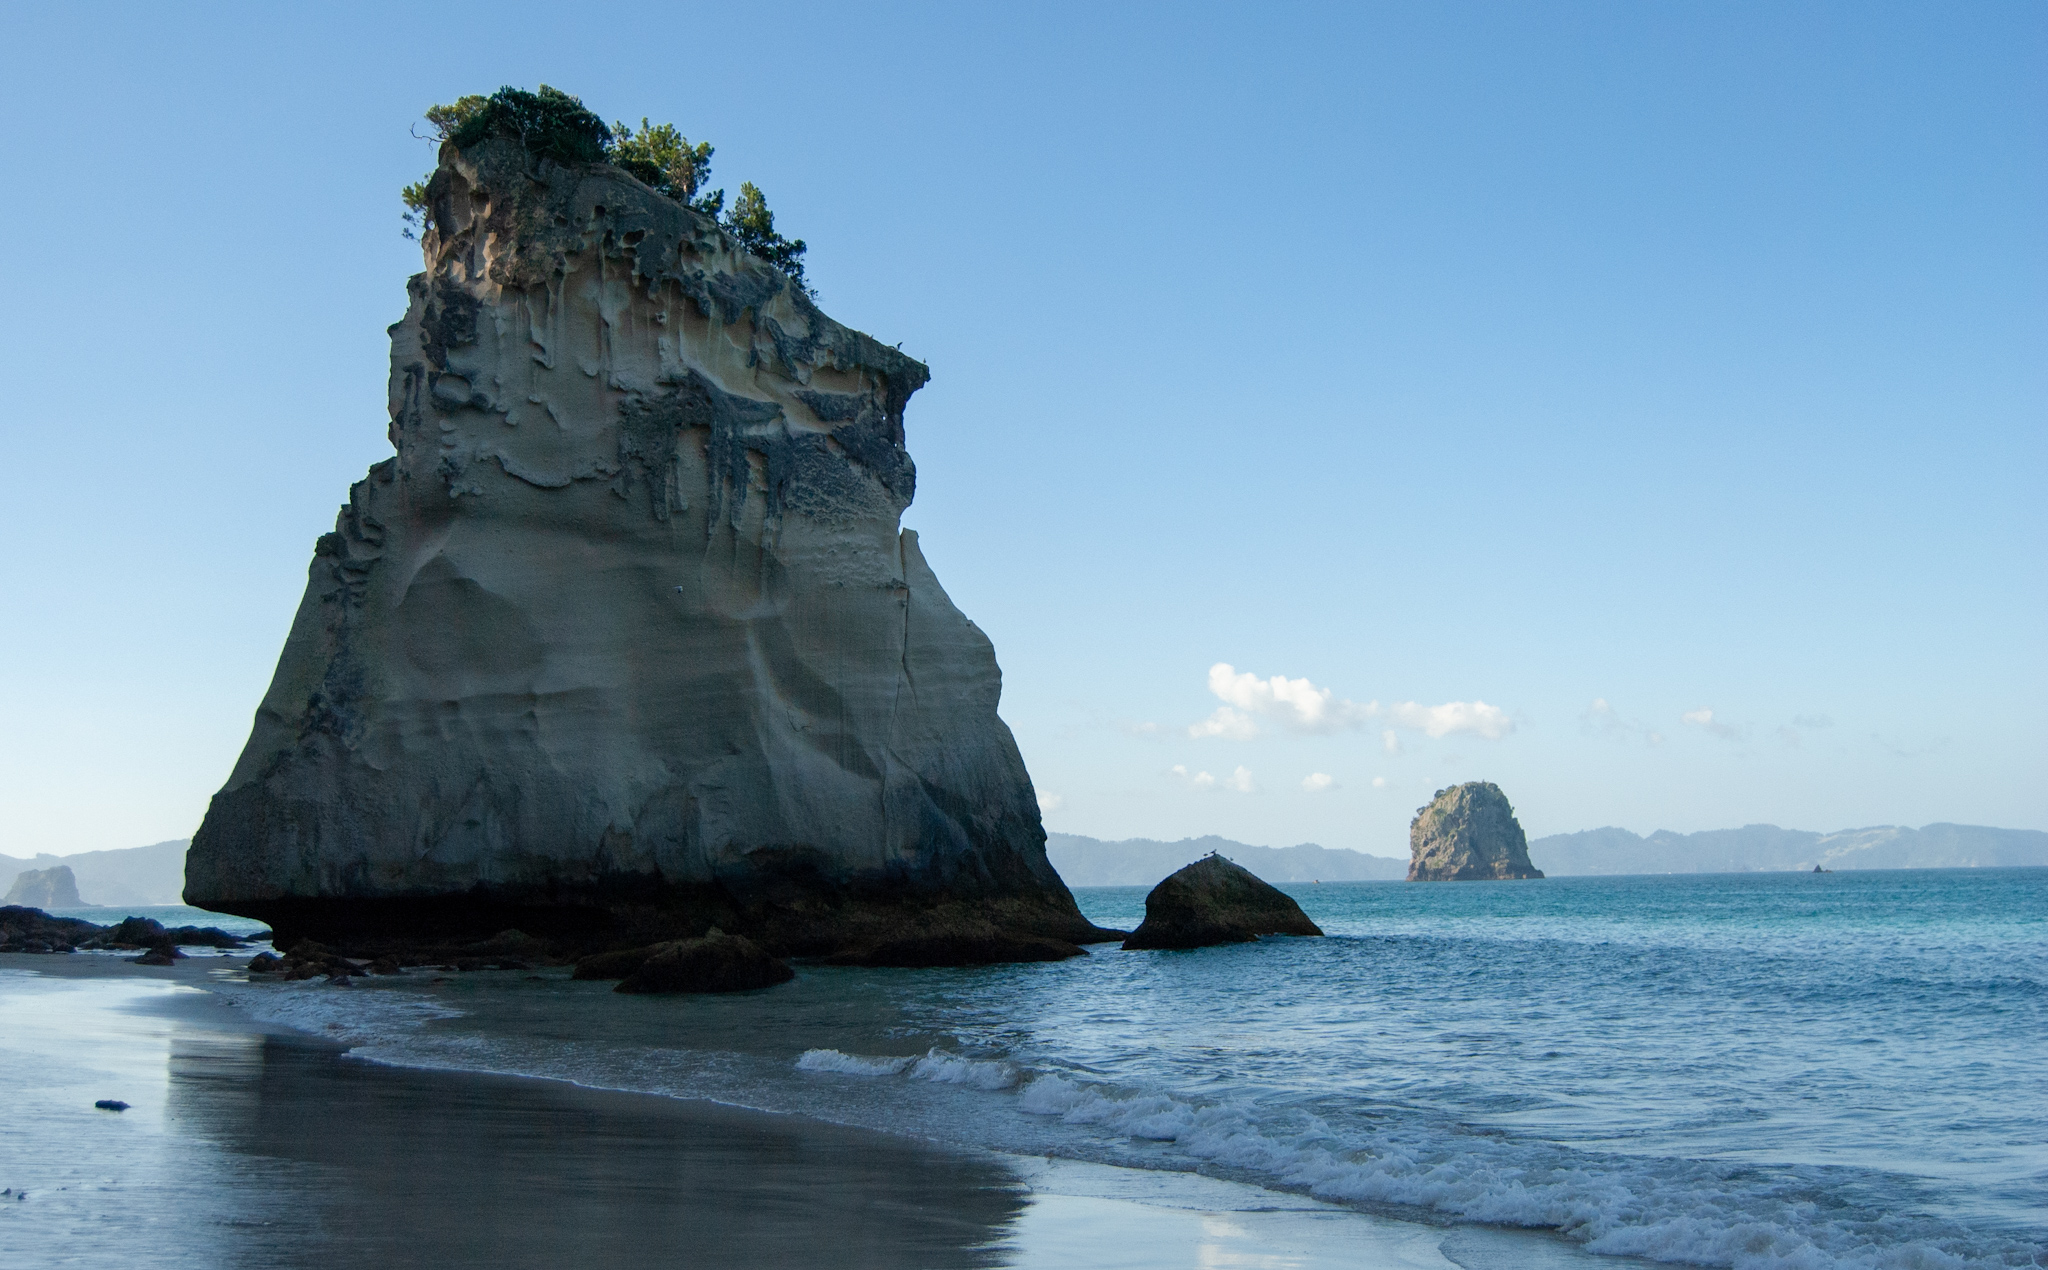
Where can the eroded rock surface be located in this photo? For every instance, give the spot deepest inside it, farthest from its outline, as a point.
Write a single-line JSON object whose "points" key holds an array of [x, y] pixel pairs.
{"points": [[1214, 901], [626, 642], [1468, 833]]}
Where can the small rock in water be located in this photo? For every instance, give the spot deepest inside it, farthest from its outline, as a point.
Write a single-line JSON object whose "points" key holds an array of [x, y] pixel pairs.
{"points": [[716, 963], [1216, 901], [111, 1104], [158, 957]]}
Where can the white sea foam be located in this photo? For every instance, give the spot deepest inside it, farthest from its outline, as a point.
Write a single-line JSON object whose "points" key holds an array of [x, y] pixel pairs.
{"points": [[852, 1064], [351, 1016], [936, 1066], [951, 1069], [1658, 1209]]}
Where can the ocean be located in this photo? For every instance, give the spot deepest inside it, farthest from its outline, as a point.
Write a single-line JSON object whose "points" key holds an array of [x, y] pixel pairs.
{"points": [[1751, 1070]]}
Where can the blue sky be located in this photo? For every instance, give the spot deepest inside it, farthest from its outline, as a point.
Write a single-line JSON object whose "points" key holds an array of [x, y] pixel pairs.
{"points": [[1669, 378]]}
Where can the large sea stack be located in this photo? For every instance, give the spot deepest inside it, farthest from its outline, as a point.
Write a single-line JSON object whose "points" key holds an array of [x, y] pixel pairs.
{"points": [[1468, 833], [626, 641]]}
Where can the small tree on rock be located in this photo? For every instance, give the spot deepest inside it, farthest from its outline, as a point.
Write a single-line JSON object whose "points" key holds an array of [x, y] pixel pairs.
{"points": [[555, 125]]}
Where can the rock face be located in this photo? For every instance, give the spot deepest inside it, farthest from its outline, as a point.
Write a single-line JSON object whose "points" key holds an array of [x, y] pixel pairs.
{"points": [[626, 642], [45, 888], [1468, 833], [1213, 901]]}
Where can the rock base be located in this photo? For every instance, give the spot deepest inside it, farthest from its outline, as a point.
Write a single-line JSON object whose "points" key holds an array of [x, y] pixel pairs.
{"points": [[847, 925]]}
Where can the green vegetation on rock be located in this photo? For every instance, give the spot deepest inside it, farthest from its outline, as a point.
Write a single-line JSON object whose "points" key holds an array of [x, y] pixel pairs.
{"points": [[554, 125]]}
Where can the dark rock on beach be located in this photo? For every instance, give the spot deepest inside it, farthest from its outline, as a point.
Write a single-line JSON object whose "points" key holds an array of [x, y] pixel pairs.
{"points": [[1468, 833], [617, 964], [1214, 901], [145, 932], [716, 963], [32, 930]]}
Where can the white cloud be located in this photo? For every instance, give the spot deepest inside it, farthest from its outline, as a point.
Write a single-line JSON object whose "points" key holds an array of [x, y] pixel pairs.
{"points": [[1704, 720], [1379, 782], [1227, 723], [1794, 732], [1050, 803], [1474, 717], [1300, 706], [1297, 703], [1390, 741], [1604, 719], [1317, 782], [1239, 781]]}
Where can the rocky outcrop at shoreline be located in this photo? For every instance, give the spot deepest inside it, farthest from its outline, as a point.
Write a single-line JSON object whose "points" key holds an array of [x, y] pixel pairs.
{"points": [[626, 642], [1468, 833], [32, 930], [1214, 901]]}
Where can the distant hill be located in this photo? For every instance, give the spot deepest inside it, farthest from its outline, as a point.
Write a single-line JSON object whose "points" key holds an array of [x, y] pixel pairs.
{"points": [[132, 875], [1750, 849], [1767, 848], [1144, 861]]}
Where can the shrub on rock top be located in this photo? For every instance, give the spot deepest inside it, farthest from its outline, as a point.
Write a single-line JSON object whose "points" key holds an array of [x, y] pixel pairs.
{"points": [[552, 124]]}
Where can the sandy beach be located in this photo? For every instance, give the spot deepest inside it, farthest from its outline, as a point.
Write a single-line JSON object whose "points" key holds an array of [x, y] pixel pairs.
{"points": [[247, 1144]]}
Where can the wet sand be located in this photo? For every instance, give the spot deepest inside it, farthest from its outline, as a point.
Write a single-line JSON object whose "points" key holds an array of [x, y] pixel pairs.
{"points": [[259, 1147]]}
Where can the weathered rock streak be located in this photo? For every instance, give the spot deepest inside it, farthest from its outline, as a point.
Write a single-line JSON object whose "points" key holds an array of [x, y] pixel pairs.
{"points": [[628, 624]]}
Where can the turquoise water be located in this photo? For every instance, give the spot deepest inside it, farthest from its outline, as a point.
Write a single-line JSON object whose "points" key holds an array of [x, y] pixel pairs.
{"points": [[1760, 1070]]}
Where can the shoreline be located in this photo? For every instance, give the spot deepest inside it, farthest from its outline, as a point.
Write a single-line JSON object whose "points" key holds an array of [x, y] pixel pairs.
{"points": [[253, 1143]]}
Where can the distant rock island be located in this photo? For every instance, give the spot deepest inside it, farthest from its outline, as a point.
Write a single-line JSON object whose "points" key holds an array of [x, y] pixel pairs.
{"points": [[135, 876], [627, 641], [1468, 833], [44, 888]]}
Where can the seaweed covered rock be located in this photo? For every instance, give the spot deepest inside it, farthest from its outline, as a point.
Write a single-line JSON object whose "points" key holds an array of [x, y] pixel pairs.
{"points": [[1214, 901], [626, 640], [1468, 833], [716, 963]]}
